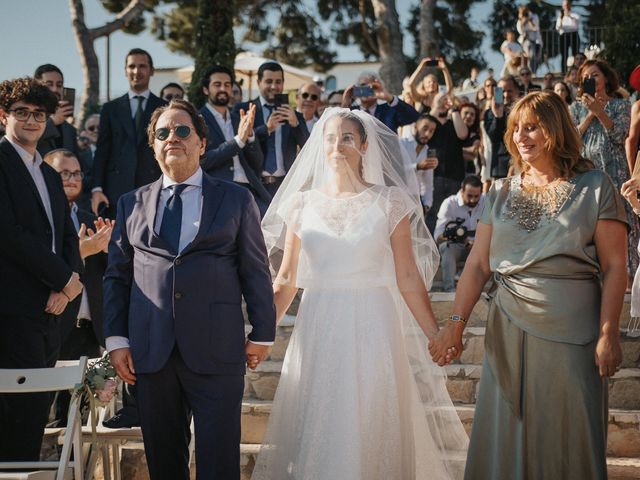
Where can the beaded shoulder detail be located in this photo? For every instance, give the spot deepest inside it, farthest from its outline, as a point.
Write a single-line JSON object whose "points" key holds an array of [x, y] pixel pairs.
{"points": [[531, 206]]}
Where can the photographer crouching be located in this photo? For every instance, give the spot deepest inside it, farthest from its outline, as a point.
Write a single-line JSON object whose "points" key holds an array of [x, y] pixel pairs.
{"points": [[456, 227]]}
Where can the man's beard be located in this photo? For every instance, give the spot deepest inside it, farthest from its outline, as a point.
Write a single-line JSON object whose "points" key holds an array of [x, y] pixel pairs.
{"points": [[220, 100], [419, 140], [471, 204]]}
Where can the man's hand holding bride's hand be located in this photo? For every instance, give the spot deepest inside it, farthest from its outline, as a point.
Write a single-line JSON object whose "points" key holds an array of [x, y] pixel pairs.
{"points": [[255, 354], [447, 344]]}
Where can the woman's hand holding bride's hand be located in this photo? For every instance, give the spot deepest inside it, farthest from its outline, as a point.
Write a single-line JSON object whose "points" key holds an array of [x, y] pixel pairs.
{"points": [[447, 344]]}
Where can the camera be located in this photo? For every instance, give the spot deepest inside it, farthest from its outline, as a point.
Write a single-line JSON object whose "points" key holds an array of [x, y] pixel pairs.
{"points": [[456, 232]]}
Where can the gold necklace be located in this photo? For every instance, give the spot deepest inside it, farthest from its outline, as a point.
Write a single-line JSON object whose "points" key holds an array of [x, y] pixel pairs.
{"points": [[530, 204]]}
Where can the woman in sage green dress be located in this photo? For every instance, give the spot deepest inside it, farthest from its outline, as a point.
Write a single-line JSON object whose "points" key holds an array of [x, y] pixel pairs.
{"points": [[554, 237]]}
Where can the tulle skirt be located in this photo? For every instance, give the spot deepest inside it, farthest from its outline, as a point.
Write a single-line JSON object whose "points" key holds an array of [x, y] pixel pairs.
{"points": [[348, 405]]}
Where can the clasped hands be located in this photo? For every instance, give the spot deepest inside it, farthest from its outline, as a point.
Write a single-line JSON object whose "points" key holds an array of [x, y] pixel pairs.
{"points": [[57, 301], [446, 345]]}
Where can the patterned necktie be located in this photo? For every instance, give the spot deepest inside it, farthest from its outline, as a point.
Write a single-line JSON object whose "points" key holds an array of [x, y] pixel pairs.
{"points": [[137, 120], [172, 218], [270, 159]]}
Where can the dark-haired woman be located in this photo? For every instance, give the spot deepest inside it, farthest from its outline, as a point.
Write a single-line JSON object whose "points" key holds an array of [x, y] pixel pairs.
{"points": [[603, 122]]}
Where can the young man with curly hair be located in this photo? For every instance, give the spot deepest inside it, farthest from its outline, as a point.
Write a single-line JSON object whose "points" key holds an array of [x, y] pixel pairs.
{"points": [[39, 260]]}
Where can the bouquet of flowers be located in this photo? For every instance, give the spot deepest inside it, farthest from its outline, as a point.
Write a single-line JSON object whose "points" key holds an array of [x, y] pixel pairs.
{"points": [[100, 383]]}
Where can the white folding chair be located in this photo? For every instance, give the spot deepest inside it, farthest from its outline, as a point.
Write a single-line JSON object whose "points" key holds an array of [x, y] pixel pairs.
{"points": [[48, 380]]}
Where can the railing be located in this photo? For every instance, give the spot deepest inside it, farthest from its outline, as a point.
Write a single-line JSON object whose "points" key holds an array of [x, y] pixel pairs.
{"points": [[588, 37]]}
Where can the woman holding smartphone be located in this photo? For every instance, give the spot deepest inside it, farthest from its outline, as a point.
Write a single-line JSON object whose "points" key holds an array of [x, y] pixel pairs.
{"points": [[603, 118]]}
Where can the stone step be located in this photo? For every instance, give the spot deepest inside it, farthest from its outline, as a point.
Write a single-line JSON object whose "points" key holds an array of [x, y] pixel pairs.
{"points": [[462, 382], [617, 468], [623, 439]]}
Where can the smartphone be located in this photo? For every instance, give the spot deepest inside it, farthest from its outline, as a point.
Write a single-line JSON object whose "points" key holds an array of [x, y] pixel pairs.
{"points": [[69, 95], [498, 94], [281, 99], [363, 91], [431, 63], [589, 86]]}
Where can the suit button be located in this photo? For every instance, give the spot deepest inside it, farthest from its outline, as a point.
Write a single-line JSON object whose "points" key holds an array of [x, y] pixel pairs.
{"points": [[231, 168], [178, 261], [177, 295]]}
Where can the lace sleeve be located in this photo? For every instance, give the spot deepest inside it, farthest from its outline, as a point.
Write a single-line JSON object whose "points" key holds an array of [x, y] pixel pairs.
{"points": [[398, 206], [291, 212]]}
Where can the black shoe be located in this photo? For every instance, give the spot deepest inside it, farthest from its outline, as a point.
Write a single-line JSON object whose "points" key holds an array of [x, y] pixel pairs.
{"points": [[122, 420]]}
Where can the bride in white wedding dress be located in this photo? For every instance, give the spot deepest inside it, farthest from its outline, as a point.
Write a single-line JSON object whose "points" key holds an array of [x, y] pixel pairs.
{"points": [[357, 399]]}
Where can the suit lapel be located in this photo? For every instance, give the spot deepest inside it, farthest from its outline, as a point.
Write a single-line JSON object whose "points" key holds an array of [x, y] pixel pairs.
{"points": [[50, 181], [259, 113], [214, 128], [150, 199], [212, 195], [21, 171], [125, 115]]}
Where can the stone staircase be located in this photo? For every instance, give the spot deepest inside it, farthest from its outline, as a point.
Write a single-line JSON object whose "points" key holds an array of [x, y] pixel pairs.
{"points": [[623, 448]]}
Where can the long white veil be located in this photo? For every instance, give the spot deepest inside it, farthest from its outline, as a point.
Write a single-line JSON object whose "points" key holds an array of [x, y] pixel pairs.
{"points": [[385, 168]]}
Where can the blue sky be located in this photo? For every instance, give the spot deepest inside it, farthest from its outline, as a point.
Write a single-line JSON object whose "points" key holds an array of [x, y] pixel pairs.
{"points": [[47, 37]]}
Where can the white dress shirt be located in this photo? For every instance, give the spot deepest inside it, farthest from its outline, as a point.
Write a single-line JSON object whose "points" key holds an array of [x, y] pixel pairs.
{"points": [[33, 163], [568, 23], [425, 177], [84, 312], [280, 171], [133, 102], [226, 126], [452, 208], [191, 213]]}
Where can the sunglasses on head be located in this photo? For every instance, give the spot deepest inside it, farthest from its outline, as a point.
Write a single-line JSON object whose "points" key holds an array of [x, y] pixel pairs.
{"points": [[181, 131], [306, 95]]}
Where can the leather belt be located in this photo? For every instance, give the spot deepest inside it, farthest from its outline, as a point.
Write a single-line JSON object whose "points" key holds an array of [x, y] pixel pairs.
{"points": [[270, 179], [83, 323]]}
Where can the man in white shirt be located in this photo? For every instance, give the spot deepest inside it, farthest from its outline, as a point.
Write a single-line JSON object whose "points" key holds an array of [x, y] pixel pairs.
{"points": [[232, 153], [568, 26], [422, 160], [472, 82], [456, 227]]}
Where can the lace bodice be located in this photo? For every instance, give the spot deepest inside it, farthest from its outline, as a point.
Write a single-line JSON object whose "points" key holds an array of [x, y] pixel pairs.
{"points": [[345, 241]]}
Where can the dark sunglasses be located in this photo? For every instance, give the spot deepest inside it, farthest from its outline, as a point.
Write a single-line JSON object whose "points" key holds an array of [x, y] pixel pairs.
{"points": [[92, 128], [181, 131], [170, 96], [525, 74], [306, 95]]}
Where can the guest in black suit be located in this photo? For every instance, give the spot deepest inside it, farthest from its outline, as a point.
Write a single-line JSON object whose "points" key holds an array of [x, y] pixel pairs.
{"points": [[394, 113], [232, 153], [123, 160], [39, 261], [59, 133], [81, 322], [185, 250], [280, 130]]}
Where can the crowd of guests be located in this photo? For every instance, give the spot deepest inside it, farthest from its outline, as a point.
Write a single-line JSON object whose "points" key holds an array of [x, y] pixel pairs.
{"points": [[455, 143]]}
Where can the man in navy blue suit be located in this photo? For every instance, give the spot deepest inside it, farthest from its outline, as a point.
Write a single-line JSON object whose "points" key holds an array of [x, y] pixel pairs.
{"points": [[280, 130], [184, 252], [232, 152], [394, 113]]}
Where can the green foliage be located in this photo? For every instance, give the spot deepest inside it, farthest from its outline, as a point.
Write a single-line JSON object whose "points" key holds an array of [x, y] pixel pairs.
{"points": [[138, 24], [296, 38], [621, 37], [457, 41], [352, 23], [214, 42]]}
